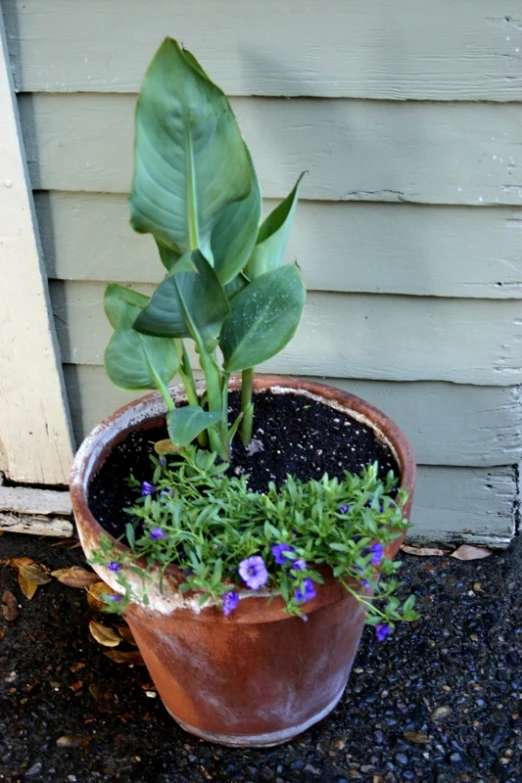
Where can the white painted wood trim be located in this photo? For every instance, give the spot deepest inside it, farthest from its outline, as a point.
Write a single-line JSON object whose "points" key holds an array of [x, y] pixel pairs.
{"points": [[35, 434]]}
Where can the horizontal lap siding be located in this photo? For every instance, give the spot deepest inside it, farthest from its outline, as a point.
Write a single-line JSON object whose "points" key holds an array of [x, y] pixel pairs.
{"points": [[416, 250], [408, 234], [350, 335], [393, 49], [431, 153], [446, 423]]}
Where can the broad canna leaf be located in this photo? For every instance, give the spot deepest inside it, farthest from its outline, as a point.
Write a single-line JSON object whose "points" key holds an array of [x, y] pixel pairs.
{"points": [[190, 302], [190, 159], [185, 424], [273, 236], [235, 234], [135, 361], [263, 318], [116, 300]]}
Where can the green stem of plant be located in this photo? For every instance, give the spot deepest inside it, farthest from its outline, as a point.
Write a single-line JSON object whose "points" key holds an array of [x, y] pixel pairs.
{"points": [[187, 377], [164, 392], [224, 408], [218, 442], [247, 408]]}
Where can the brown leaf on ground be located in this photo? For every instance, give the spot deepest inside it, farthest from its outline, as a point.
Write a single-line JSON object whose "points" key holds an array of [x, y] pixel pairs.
{"points": [[95, 593], [126, 633], [165, 446], [75, 576], [133, 657], [9, 606], [76, 686], [76, 667], [417, 736], [27, 588], [72, 741], [424, 551], [104, 634], [468, 552], [34, 573]]}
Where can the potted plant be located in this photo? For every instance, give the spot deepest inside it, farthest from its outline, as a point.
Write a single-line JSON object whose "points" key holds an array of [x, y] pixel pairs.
{"points": [[245, 553]]}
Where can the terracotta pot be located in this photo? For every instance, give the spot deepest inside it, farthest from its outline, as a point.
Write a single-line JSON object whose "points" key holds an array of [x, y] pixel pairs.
{"points": [[260, 676]]}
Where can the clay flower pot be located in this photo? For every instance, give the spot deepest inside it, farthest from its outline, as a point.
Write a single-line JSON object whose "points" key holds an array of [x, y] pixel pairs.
{"points": [[260, 676]]}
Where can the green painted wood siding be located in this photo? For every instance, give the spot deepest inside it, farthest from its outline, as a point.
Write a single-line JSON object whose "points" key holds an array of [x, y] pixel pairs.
{"points": [[407, 117]]}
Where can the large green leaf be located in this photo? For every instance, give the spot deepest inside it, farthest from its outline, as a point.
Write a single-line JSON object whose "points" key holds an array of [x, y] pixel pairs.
{"points": [[190, 302], [273, 236], [184, 424], [116, 301], [136, 361], [263, 318], [235, 233], [190, 159]]}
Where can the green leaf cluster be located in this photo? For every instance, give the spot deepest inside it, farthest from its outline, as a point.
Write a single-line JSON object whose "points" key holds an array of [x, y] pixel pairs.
{"points": [[196, 191], [212, 522]]}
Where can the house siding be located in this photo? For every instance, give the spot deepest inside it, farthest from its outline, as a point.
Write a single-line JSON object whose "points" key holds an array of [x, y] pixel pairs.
{"points": [[407, 119]]}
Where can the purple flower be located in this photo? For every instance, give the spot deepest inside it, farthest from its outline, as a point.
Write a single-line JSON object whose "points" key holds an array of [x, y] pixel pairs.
{"points": [[253, 572], [230, 602], [147, 488], [382, 631], [299, 565], [306, 592], [114, 597], [278, 552], [157, 533], [344, 508], [165, 492], [114, 566], [377, 552]]}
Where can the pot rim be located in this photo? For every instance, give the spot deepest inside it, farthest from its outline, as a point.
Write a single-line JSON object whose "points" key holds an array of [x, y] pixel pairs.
{"points": [[151, 407]]}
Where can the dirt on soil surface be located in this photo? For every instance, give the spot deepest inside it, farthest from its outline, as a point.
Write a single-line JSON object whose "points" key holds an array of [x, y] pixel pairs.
{"points": [[440, 701]]}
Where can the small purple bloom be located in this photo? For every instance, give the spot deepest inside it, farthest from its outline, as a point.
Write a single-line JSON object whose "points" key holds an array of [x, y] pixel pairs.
{"points": [[299, 565], [114, 597], [253, 572], [165, 492], [344, 508], [114, 566], [381, 509], [306, 592], [157, 533], [230, 602], [278, 552], [376, 551], [382, 631], [162, 461], [147, 488]]}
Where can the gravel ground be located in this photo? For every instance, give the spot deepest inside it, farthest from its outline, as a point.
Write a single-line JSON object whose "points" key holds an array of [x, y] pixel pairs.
{"points": [[439, 701]]}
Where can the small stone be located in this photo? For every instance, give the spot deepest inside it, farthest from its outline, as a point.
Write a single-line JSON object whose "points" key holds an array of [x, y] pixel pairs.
{"points": [[401, 758], [34, 770]]}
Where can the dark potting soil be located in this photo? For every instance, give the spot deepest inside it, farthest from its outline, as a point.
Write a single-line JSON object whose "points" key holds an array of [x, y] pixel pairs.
{"points": [[292, 435], [437, 702]]}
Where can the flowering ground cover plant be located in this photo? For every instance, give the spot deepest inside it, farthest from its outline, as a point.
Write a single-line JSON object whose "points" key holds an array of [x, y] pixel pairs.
{"points": [[228, 540]]}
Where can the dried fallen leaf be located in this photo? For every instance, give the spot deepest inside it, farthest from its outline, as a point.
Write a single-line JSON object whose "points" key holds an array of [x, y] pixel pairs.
{"points": [[477, 587], [9, 606], [133, 657], [424, 551], [468, 552], [72, 741], [95, 595], [104, 634], [75, 576], [76, 686], [165, 446], [34, 573], [439, 713], [76, 667], [417, 736], [27, 588], [126, 633]]}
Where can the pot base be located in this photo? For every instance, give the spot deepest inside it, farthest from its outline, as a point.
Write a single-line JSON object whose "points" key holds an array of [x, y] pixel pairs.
{"points": [[267, 740]]}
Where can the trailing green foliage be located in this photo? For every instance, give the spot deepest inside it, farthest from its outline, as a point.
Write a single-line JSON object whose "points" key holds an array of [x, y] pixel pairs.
{"points": [[195, 516], [196, 191]]}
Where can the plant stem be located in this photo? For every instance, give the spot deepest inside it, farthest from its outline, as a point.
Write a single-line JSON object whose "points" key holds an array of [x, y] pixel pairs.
{"points": [[164, 392], [247, 408], [224, 409], [218, 442], [187, 377]]}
